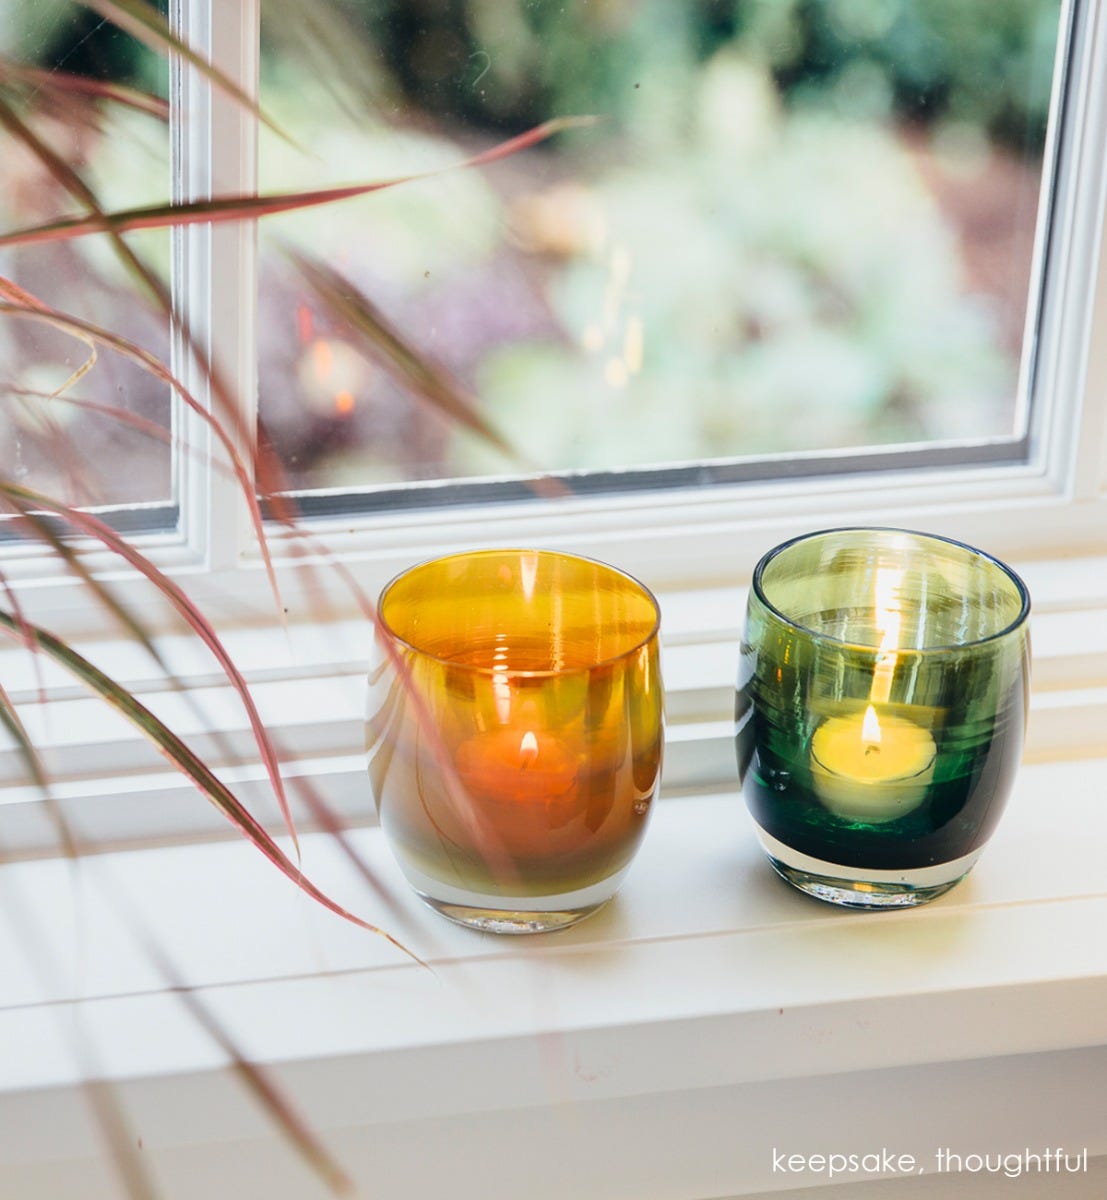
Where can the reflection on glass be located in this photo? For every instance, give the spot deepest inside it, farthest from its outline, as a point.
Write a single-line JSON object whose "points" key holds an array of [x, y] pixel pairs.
{"points": [[515, 726], [798, 227], [71, 132], [880, 711]]}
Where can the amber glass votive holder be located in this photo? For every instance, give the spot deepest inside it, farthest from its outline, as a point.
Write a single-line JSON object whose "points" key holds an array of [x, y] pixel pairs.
{"points": [[882, 698], [515, 733]]}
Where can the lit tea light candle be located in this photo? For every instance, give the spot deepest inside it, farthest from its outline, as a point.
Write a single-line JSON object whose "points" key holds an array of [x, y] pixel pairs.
{"points": [[514, 765], [871, 768]]}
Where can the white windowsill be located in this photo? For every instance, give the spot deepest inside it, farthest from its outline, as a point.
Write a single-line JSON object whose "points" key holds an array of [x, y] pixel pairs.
{"points": [[659, 1050]]}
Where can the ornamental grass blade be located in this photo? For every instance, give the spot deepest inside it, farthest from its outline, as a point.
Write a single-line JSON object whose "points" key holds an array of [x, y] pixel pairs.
{"points": [[147, 25], [254, 1076], [62, 84], [101, 1094], [144, 425], [384, 342], [423, 378], [62, 171], [184, 759], [330, 47], [428, 381], [242, 208], [73, 182], [104, 1102], [140, 424], [324, 815], [40, 528], [20, 298], [26, 633], [36, 311], [29, 502], [9, 718]]}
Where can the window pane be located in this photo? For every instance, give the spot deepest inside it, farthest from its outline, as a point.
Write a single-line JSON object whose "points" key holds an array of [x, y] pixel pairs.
{"points": [[799, 226], [84, 108]]}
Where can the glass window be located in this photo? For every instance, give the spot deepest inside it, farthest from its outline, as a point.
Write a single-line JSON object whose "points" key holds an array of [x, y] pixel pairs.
{"points": [[84, 124], [798, 227]]}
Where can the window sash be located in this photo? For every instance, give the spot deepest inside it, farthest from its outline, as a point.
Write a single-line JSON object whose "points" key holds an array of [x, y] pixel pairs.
{"points": [[1053, 477], [1006, 448], [968, 486]]}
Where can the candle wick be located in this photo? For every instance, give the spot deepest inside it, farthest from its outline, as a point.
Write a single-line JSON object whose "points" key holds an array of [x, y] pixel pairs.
{"points": [[871, 748]]}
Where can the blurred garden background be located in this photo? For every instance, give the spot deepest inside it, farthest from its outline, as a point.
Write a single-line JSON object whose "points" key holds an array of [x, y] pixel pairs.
{"points": [[798, 225]]}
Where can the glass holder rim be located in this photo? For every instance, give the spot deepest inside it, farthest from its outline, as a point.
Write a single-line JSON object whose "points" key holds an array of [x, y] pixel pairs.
{"points": [[549, 673], [1012, 627]]}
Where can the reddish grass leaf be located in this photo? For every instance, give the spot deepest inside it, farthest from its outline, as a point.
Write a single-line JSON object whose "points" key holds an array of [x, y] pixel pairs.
{"points": [[124, 416], [28, 502], [102, 1096], [183, 758], [255, 1077], [324, 815], [66, 84], [35, 310], [388, 346], [147, 25], [9, 718], [71, 180], [240, 208]]}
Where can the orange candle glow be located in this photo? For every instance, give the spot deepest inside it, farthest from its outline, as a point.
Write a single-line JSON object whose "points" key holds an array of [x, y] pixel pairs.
{"points": [[536, 675], [514, 765]]}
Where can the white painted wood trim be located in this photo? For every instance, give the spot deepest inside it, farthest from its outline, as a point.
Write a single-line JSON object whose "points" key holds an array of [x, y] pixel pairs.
{"points": [[1053, 505], [662, 1048], [215, 276]]}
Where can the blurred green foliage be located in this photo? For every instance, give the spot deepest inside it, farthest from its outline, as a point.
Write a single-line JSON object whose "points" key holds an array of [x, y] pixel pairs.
{"points": [[746, 256], [512, 63], [509, 64], [68, 36], [969, 60]]}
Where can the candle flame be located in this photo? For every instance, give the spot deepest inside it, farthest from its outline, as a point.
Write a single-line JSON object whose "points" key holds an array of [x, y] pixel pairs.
{"points": [[870, 727], [528, 749]]}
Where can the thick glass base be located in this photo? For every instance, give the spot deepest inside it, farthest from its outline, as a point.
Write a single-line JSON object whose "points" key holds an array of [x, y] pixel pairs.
{"points": [[513, 914], [508, 920], [860, 887]]}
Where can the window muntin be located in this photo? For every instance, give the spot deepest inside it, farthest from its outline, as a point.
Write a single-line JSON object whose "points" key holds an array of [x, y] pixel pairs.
{"points": [[847, 266]]}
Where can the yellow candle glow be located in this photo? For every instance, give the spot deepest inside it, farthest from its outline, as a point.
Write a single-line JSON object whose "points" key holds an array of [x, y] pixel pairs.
{"points": [[870, 767]]}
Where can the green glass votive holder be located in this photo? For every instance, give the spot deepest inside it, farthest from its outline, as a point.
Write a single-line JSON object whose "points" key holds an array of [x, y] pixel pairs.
{"points": [[881, 705]]}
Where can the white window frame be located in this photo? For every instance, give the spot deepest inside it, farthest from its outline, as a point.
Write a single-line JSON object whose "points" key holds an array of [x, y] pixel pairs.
{"points": [[695, 547], [673, 537], [716, 1014]]}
